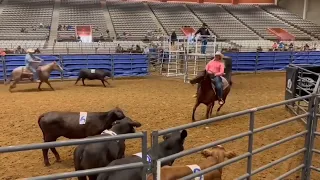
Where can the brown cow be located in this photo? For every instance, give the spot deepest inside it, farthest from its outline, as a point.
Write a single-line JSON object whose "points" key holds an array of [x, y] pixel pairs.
{"points": [[214, 156]]}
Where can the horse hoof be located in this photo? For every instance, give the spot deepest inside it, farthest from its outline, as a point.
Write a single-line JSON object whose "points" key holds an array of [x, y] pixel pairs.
{"points": [[47, 164]]}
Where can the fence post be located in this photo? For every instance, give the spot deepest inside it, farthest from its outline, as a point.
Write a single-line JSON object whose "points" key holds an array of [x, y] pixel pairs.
{"points": [[87, 61], [144, 145], [112, 65], [62, 73], [309, 139], [256, 62], [250, 145], [4, 68], [154, 144]]}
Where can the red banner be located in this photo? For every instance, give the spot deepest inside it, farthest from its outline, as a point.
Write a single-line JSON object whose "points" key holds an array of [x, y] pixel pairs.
{"points": [[282, 34], [85, 33]]}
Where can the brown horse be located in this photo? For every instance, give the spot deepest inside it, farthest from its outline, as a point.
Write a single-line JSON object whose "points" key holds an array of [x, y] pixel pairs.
{"points": [[44, 72], [207, 95]]}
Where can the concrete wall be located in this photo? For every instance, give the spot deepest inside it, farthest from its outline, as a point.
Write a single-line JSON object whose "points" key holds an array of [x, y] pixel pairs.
{"points": [[296, 6]]}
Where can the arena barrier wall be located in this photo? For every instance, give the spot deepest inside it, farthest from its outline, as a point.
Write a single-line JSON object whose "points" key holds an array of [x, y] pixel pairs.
{"points": [[140, 135], [309, 134], [271, 61], [121, 65]]}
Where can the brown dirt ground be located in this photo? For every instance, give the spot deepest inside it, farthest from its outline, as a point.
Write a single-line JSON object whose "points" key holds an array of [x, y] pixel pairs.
{"points": [[158, 103]]}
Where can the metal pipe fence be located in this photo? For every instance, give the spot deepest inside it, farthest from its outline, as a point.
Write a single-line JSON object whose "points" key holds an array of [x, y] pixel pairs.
{"points": [[140, 135], [310, 114]]}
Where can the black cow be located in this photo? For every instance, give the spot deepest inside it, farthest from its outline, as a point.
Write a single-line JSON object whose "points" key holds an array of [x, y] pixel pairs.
{"points": [[89, 156], [71, 125], [172, 144], [92, 74]]}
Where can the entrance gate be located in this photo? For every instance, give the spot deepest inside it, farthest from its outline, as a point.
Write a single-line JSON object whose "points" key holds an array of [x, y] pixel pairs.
{"points": [[301, 80]]}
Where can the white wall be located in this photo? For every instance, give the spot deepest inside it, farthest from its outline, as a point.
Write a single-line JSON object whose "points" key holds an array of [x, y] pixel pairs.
{"points": [[313, 13], [296, 6]]}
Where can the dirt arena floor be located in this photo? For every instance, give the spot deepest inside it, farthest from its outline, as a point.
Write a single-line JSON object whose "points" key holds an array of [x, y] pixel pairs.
{"points": [[157, 103]]}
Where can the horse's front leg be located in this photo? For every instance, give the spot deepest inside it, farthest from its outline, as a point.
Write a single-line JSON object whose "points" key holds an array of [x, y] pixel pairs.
{"points": [[194, 110], [209, 110], [49, 85], [210, 113]]}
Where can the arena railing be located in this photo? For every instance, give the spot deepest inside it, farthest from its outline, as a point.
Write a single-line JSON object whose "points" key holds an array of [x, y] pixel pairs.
{"points": [[250, 133], [115, 60], [141, 135]]}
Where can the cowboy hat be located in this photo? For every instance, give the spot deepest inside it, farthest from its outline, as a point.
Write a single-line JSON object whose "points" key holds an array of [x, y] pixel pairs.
{"points": [[218, 53], [30, 50]]}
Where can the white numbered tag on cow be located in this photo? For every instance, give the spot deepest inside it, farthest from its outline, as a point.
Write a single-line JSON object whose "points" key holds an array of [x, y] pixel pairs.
{"points": [[83, 118], [93, 71], [196, 168]]}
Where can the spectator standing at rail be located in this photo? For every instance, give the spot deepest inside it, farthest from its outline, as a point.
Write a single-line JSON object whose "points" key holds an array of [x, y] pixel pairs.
{"points": [[173, 37], [204, 32]]}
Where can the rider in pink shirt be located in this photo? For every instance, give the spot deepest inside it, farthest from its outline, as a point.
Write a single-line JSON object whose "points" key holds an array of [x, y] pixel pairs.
{"points": [[215, 68]]}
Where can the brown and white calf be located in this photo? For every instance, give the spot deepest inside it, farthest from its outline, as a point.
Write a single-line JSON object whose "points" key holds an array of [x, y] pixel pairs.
{"points": [[213, 156]]}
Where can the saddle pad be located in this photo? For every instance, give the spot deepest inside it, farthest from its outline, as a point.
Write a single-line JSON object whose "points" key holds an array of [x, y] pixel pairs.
{"points": [[93, 71], [111, 133], [140, 155], [224, 82], [195, 168], [83, 117]]}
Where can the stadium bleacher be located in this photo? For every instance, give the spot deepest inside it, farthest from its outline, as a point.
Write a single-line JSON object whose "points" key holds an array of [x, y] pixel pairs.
{"points": [[82, 12], [294, 20], [242, 25], [26, 14], [222, 23], [173, 16], [260, 21], [132, 18]]}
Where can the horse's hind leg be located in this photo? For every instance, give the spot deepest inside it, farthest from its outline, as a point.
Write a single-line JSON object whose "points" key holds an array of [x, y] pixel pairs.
{"points": [[13, 85], [39, 85], [194, 110]]}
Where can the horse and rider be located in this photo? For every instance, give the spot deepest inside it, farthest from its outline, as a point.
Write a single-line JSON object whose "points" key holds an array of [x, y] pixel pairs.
{"points": [[33, 71], [32, 63], [212, 85]]}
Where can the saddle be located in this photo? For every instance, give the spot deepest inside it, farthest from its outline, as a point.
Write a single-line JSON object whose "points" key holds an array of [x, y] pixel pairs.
{"points": [[25, 70], [224, 82]]}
